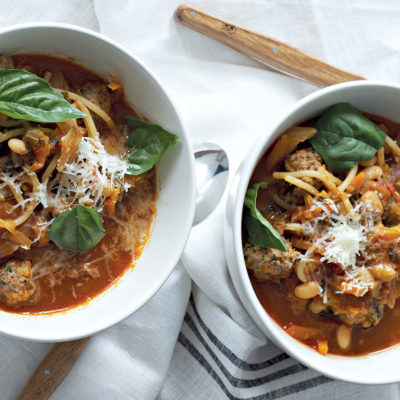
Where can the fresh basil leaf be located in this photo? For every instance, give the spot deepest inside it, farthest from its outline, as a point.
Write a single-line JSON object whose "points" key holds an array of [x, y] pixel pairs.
{"points": [[259, 231], [24, 95], [344, 137], [150, 142], [78, 229]]}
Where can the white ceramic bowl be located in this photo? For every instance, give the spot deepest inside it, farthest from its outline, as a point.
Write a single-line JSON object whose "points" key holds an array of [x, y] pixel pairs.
{"points": [[175, 205], [376, 368]]}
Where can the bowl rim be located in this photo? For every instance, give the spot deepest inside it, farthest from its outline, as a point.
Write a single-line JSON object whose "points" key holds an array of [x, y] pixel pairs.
{"points": [[234, 252], [190, 195]]}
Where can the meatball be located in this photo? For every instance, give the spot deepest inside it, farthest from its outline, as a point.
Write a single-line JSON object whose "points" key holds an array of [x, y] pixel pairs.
{"points": [[16, 283], [269, 263], [304, 159], [6, 62], [365, 311]]}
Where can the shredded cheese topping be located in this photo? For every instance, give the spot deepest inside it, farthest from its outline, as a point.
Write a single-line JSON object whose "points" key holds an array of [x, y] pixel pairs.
{"points": [[341, 238], [88, 176], [343, 243]]}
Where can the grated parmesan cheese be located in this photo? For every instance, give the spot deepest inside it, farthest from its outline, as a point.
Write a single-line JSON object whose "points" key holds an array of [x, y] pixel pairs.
{"points": [[340, 239], [42, 194], [10, 179], [85, 179], [343, 243]]}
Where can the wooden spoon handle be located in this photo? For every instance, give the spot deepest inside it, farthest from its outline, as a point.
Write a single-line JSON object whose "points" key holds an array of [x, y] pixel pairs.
{"points": [[52, 370], [275, 54]]}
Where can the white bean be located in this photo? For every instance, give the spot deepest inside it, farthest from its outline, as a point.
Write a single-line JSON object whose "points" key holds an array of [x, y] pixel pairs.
{"points": [[307, 290], [316, 307], [372, 200], [373, 173], [343, 336], [383, 272], [17, 146]]}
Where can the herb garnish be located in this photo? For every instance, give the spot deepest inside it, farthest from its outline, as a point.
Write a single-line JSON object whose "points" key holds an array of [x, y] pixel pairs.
{"points": [[78, 229], [150, 141], [24, 95], [345, 136], [260, 232]]}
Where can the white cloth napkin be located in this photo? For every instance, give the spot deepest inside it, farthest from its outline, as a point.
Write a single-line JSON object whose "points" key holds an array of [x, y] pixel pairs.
{"points": [[204, 345]]}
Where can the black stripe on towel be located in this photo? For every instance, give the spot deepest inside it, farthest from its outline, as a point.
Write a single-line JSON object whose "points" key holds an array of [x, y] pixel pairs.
{"points": [[242, 383], [235, 360], [272, 395]]}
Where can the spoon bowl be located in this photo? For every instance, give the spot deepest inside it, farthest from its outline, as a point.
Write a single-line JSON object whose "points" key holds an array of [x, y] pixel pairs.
{"points": [[212, 172]]}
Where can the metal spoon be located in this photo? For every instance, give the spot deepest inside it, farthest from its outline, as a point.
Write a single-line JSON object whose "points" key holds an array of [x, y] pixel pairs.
{"points": [[212, 171], [211, 178]]}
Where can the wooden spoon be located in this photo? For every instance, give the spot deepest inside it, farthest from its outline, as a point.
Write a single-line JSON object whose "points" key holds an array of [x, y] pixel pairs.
{"points": [[52, 370], [277, 55]]}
